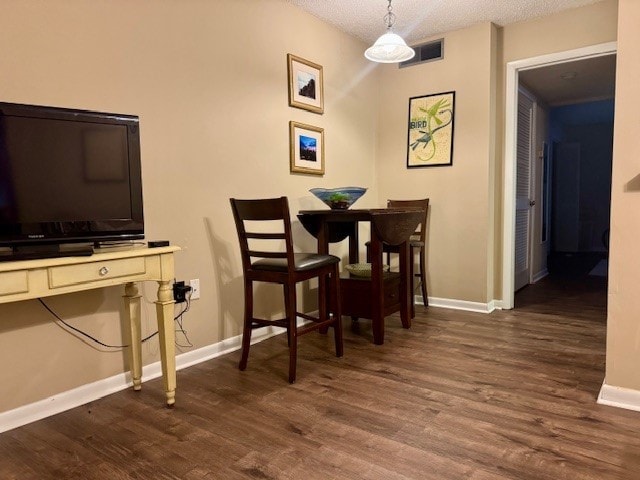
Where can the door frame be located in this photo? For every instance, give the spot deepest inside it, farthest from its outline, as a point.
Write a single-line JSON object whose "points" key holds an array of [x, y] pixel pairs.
{"points": [[510, 145]]}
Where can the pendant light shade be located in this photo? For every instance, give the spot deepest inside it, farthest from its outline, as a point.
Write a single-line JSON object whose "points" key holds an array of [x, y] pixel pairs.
{"points": [[390, 47]]}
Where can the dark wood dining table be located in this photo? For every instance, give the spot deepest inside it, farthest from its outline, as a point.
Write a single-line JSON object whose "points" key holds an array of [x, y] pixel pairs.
{"points": [[382, 293]]}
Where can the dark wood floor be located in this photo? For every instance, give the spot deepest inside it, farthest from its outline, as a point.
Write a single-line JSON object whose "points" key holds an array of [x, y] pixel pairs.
{"points": [[510, 395]]}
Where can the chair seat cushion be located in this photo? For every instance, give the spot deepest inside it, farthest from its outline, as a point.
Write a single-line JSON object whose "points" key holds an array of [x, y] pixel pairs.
{"points": [[303, 262]]}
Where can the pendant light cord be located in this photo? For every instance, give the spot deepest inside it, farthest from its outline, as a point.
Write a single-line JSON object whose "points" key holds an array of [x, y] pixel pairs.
{"points": [[389, 18]]}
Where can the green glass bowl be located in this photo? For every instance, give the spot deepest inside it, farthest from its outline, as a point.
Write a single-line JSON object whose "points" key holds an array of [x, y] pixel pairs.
{"points": [[339, 198]]}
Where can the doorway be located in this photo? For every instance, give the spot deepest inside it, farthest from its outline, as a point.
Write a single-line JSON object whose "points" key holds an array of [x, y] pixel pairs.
{"points": [[541, 225]]}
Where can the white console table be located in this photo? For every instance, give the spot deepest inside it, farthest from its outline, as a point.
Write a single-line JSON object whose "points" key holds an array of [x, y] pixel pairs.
{"points": [[29, 279]]}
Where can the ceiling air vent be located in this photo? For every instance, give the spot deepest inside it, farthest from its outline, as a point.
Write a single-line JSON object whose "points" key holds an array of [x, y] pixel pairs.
{"points": [[426, 52]]}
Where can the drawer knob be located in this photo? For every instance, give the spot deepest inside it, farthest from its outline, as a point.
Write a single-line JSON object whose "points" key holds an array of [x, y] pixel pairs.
{"points": [[103, 271]]}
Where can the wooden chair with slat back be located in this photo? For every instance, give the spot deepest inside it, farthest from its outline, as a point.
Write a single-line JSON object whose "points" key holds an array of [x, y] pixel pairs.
{"points": [[417, 243], [281, 265]]}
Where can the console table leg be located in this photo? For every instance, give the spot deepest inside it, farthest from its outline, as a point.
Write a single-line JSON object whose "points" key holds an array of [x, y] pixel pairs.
{"points": [[167, 335], [132, 310]]}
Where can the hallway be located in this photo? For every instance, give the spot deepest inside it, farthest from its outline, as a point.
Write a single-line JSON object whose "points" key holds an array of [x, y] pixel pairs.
{"points": [[574, 287]]}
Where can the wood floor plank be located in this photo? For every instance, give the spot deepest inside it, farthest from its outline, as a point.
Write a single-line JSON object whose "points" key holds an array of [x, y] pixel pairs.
{"points": [[461, 395]]}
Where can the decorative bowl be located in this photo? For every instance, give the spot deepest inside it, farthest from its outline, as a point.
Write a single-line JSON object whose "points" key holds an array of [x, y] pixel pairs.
{"points": [[362, 269], [339, 198]]}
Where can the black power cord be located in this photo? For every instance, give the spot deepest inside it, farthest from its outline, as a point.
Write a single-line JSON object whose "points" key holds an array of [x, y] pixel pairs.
{"points": [[177, 318]]}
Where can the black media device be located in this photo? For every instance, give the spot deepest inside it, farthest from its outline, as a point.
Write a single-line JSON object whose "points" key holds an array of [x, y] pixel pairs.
{"points": [[158, 243], [69, 179]]}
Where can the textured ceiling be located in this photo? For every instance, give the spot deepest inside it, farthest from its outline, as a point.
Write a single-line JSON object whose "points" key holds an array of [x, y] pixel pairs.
{"points": [[419, 19]]}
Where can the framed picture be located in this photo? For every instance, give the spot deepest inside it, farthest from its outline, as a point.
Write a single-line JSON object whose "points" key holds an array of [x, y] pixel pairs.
{"points": [[305, 84], [306, 148], [430, 130]]}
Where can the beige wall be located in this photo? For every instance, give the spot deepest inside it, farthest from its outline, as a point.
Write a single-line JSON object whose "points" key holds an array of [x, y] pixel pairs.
{"points": [[209, 81], [623, 321], [566, 30], [459, 208]]}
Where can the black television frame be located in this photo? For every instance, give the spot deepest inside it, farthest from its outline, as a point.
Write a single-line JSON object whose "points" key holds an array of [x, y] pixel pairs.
{"points": [[45, 239]]}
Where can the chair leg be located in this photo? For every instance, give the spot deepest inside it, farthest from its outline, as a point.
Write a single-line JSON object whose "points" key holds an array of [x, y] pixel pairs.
{"points": [[284, 289], [323, 307], [290, 309], [248, 319], [412, 276], [423, 279], [337, 311]]}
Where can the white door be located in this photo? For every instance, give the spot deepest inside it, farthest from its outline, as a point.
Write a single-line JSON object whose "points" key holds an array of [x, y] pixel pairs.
{"points": [[524, 201]]}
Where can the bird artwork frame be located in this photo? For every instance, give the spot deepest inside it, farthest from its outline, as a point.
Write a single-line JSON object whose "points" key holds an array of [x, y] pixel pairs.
{"points": [[430, 130]]}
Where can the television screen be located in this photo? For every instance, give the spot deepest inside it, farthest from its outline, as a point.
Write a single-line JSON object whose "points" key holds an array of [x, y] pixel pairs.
{"points": [[68, 176]]}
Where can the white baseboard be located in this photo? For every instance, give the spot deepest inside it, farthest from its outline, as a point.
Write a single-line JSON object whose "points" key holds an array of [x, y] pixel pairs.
{"points": [[462, 304], [495, 305], [619, 397], [93, 391], [540, 275]]}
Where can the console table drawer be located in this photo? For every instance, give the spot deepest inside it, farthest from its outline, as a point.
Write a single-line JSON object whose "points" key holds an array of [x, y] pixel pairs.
{"points": [[67, 275], [14, 282]]}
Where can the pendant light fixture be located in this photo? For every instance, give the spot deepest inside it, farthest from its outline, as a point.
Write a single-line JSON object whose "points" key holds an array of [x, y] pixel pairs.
{"points": [[390, 47]]}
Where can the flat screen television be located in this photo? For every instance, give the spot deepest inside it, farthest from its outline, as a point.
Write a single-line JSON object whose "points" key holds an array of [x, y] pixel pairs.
{"points": [[68, 178]]}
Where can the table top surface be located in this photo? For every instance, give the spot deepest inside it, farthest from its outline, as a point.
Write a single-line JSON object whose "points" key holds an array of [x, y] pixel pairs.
{"points": [[391, 225], [356, 212]]}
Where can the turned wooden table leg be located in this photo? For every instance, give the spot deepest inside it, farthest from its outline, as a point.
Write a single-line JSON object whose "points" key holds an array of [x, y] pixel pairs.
{"points": [[377, 310], [166, 333], [132, 310]]}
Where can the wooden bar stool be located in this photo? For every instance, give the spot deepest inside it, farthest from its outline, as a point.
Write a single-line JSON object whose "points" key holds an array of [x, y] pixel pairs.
{"points": [[272, 262]]}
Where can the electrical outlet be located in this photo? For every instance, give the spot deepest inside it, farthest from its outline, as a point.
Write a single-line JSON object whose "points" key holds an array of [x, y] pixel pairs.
{"points": [[195, 288]]}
